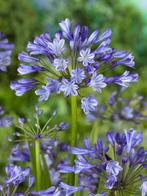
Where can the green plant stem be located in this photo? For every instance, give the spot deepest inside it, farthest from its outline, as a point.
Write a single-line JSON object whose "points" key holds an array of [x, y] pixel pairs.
{"points": [[38, 165], [71, 177], [76, 184], [117, 193], [74, 120], [94, 133], [114, 193]]}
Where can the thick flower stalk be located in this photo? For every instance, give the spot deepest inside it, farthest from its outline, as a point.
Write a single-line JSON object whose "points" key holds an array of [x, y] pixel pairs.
{"points": [[5, 52], [53, 153], [115, 169]]}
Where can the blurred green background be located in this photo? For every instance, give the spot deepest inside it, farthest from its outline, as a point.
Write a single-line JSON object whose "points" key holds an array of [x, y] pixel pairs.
{"points": [[22, 20]]}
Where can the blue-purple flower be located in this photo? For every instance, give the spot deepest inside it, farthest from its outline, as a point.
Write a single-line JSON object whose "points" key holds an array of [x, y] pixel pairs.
{"points": [[113, 168], [126, 79], [5, 121], [60, 64], [77, 75], [69, 88], [117, 108], [15, 177], [97, 82], [117, 166], [86, 57], [89, 104], [16, 174], [5, 52], [73, 59], [23, 85]]}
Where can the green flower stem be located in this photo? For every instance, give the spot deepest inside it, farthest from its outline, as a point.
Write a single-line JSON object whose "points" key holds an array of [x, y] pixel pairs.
{"points": [[38, 165], [76, 184], [94, 133], [71, 177], [74, 120], [114, 193], [117, 193]]}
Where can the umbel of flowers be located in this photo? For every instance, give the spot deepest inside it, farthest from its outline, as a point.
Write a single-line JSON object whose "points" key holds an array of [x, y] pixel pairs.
{"points": [[73, 60], [118, 108], [114, 169]]}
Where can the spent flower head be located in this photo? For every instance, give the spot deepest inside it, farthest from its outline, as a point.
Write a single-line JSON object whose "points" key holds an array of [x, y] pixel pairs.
{"points": [[32, 129]]}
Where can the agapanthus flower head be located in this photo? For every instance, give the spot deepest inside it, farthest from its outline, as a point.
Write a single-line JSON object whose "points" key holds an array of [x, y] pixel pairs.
{"points": [[15, 177], [16, 174], [115, 168], [73, 60], [117, 108], [5, 52]]}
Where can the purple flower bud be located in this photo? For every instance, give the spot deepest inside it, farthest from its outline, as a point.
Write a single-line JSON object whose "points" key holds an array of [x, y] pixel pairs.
{"points": [[111, 137], [84, 33], [50, 192], [23, 85], [110, 182], [26, 69], [126, 79], [31, 181], [70, 189], [25, 57], [107, 33], [65, 26]]}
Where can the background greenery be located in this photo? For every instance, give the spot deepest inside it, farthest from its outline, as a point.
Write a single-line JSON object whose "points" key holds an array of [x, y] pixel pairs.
{"points": [[21, 22]]}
